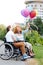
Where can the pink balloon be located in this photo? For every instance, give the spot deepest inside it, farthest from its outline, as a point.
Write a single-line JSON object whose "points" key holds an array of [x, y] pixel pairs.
{"points": [[25, 12]]}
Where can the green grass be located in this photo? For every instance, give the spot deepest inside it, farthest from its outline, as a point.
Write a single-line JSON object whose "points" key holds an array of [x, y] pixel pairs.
{"points": [[38, 50]]}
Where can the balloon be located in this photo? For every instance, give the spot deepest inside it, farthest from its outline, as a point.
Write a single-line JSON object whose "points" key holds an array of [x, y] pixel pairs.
{"points": [[25, 12], [30, 8], [32, 14]]}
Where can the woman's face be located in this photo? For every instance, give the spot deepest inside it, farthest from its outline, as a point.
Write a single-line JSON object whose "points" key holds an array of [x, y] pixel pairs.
{"points": [[19, 29]]}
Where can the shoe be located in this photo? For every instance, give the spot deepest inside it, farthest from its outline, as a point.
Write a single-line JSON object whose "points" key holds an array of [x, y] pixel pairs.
{"points": [[25, 56]]}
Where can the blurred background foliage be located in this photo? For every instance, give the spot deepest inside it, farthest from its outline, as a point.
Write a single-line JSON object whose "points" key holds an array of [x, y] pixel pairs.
{"points": [[36, 34], [2, 31], [34, 38], [36, 24]]}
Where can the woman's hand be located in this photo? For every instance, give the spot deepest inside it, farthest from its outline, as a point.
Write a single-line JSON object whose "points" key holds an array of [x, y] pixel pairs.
{"points": [[28, 25]]}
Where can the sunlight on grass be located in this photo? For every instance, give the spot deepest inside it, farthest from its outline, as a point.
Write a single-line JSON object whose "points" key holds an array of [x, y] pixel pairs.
{"points": [[38, 50]]}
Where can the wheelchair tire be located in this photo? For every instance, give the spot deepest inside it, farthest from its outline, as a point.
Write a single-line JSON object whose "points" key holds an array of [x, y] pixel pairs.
{"points": [[8, 52]]}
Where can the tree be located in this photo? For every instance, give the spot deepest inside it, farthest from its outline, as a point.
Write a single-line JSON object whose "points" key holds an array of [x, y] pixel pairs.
{"points": [[39, 24], [2, 31]]}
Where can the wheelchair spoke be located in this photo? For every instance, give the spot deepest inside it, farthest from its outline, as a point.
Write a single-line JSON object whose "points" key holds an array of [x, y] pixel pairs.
{"points": [[6, 52]]}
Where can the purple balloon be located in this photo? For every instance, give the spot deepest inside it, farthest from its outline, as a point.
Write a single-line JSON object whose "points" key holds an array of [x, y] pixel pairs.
{"points": [[25, 12]]}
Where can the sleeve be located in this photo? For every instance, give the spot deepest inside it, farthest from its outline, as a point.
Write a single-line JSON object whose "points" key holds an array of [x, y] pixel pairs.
{"points": [[25, 31], [14, 37]]}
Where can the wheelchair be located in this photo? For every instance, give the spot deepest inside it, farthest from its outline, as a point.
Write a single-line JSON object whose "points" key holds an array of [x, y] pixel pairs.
{"points": [[8, 50]]}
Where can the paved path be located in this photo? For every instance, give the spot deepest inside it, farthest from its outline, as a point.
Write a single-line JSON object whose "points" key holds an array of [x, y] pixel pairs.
{"points": [[11, 62], [31, 61]]}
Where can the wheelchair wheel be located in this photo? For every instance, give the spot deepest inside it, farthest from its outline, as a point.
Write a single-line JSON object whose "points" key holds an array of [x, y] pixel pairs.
{"points": [[6, 52]]}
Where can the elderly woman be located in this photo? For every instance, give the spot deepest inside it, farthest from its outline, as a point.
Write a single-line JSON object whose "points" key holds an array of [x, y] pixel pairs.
{"points": [[20, 37], [10, 37]]}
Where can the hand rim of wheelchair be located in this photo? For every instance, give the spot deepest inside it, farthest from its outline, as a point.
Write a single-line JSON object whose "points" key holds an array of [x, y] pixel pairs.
{"points": [[7, 58]]}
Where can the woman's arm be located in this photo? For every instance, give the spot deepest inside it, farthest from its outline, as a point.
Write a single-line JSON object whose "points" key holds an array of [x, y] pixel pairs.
{"points": [[27, 29]]}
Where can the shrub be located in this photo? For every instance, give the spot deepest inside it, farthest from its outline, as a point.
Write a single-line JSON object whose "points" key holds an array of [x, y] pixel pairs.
{"points": [[34, 37], [2, 31]]}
